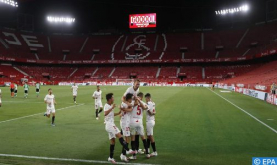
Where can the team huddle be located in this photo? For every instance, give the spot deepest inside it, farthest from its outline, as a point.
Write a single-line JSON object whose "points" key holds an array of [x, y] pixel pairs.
{"points": [[131, 120]]}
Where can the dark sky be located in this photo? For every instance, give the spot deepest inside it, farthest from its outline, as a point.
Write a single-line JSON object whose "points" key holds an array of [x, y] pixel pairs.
{"points": [[94, 15]]}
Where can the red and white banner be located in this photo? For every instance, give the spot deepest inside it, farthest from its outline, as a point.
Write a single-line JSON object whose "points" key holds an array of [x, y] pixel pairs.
{"points": [[239, 90], [240, 85], [142, 21], [267, 52], [250, 92], [271, 98], [260, 87]]}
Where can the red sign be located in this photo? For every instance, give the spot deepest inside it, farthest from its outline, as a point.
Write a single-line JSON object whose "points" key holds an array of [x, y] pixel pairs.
{"points": [[142, 20]]}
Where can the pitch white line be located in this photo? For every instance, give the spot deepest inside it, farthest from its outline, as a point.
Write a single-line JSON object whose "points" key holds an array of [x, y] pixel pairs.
{"points": [[272, 129], [66, 159], [41, 102], [23, 117]]}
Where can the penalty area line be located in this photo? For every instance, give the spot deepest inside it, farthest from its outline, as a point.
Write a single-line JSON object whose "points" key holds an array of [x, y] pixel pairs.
{"points": [[23, 117], [66, 159], [272, 129]]}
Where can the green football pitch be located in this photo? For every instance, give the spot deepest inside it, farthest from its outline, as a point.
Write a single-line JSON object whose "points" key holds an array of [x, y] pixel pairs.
{"points": [[193, 126]]}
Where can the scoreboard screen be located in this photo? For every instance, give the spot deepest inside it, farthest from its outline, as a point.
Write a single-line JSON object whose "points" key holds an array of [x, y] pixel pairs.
{"points": [[142, 21]]}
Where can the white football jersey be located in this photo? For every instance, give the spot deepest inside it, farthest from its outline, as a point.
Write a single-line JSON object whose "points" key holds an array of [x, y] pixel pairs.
{"points": [[125, 116], [132, 91], [50, 101], [151, 108], [137, 112], [109, 119], [98, 96], [74, 89]]}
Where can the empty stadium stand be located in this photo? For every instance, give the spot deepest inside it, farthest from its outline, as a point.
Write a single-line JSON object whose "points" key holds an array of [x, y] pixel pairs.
{"points": [[234, 43], [264, 74], [45, 73], [196, 47]]}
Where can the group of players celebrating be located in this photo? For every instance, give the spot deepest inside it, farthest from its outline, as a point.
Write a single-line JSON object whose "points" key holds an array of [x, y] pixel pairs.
{"points": [[131, 122]]}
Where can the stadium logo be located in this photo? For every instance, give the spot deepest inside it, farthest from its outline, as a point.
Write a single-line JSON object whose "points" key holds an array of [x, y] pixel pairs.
{"points": [[139, 42], [138, 49]]}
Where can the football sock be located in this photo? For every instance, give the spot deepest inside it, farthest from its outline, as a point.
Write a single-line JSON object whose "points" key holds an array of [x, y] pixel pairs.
{"points": [[133, 145], [123, 143], [145, 146], [148, 143], [153, 146], [111, 150], [53, 119], [123, 150], [137, 142], [96, 112]]}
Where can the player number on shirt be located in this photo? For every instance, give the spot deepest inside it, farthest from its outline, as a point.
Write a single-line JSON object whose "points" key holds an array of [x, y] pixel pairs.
{"points": [[138, 110]]}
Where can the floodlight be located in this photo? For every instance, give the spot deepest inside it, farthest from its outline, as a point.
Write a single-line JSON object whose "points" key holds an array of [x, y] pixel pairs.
{"points": [[10, 2], [243, 8], [55, 19]]}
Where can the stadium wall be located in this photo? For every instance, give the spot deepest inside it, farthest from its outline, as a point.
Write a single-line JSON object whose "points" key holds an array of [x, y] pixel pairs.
{"points": [[268, 97]]}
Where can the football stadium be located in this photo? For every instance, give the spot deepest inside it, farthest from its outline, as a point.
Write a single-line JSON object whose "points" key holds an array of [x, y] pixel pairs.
{"points": [[138, 82]]}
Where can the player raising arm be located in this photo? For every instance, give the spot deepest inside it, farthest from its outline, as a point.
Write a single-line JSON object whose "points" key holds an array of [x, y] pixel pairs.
{"points": [[125, 122], [134, 90], [136, 124], [111, 128]]}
